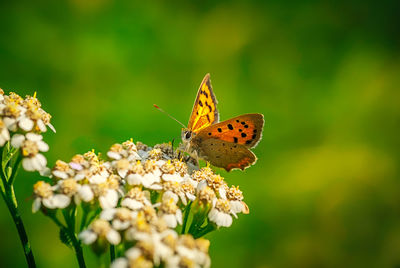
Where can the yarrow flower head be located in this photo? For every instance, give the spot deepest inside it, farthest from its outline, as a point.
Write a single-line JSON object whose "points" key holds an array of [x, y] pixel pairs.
{"points": [[22, 121], [146, 198]]}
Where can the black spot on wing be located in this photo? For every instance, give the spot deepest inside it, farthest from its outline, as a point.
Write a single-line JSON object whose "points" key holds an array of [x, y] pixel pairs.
{"points": [[209, 106], [248, 141], [230, 126], [235, 140], [208, 118], [254, 136], [200, 103], [244, 135], [246, 126], [219, 129]]}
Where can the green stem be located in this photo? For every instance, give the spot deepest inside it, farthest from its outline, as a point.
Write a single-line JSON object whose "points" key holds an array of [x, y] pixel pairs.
{"points": [[2, 173], [93, 216], [12, 207], [15, 169], [207, 229], [112, 253], [84, 219], [185, 219], [56, 221], [198, 219], [8, 195], [70, 221]]}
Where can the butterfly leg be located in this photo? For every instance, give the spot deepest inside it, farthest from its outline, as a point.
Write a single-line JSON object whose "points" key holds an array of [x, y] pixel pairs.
{"points": [[195, 156]]}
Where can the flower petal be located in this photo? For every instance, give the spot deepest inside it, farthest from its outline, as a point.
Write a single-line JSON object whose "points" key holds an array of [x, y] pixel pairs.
{"points": [[87, 237], [113, 237], [17, 140]]}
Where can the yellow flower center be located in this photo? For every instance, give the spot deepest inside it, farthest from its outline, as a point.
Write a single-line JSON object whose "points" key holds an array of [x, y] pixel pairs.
{"points": [[42, 189], [169, 206], [69, 187], [101, 227], [29, 148], [223, 205]]}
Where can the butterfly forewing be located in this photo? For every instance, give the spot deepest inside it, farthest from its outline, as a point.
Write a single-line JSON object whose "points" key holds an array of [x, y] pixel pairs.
{"points": [[244, 130], [204, 112]]}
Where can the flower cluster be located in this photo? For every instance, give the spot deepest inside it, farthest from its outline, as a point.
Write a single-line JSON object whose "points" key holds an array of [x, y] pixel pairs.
{"points": [[21, 122], [144, 197]]}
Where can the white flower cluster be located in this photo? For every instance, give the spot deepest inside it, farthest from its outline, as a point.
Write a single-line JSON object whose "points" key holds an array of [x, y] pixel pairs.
{"points": [[154, 243], [22, 121], [143, 194]]}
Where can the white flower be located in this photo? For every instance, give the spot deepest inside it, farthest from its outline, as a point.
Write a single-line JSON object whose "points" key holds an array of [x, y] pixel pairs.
{"points": [[125, 150], [148, 180], [122, 166], [120, 263], [235, 197], [4, 134], [62, 170], [136, 258], [109, 199], [98, 178], [172, 177], [85, 193], [25, 123], [31, 144], [100, 229], [220, 213], [44, 195], [174, 190], [136, 199], [38, 162], [188, 187], [121, 218], [11, 123], [170, 212]]}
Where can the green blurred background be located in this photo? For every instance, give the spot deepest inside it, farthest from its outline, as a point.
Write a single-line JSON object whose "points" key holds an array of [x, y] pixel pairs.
{"points": [[325, 191]]}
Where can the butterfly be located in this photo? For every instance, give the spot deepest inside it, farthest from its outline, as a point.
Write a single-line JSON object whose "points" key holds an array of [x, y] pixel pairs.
{"points": [[224, 144]]}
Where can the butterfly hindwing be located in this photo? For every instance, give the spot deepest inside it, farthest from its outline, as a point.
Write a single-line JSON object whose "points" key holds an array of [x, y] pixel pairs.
{"points": [[243, 130], [204, 112], [226, 154]]}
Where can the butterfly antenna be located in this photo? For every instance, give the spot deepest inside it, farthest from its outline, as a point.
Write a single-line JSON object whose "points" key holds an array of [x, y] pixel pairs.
{"points": [[161, 110]]}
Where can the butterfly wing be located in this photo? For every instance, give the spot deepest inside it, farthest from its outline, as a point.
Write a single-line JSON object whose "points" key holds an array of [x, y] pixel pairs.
{"points": [[226, 155], [204, 112], [245, 130]]}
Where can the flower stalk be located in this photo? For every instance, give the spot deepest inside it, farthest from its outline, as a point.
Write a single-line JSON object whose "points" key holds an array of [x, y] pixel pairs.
{"points": [[70, 219], [21, 122], [8, 194]]}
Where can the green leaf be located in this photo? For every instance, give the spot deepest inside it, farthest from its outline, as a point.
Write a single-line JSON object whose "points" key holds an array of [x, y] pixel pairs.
{"points": [[8, 172], [8, 154], [66, 238]]}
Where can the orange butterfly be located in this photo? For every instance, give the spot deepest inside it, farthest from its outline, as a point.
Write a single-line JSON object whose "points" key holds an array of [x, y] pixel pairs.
{"points": [[225, 144]]}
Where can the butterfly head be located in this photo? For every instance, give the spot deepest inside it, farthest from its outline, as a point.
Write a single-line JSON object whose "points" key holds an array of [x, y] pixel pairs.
{"points": [[187, 135]]}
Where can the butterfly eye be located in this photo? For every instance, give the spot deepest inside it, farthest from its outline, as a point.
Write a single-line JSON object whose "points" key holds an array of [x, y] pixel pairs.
{"points": [[188, 135]]}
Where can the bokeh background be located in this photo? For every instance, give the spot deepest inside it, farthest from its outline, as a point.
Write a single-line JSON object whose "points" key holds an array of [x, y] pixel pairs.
{"points": [[325, 191]]}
